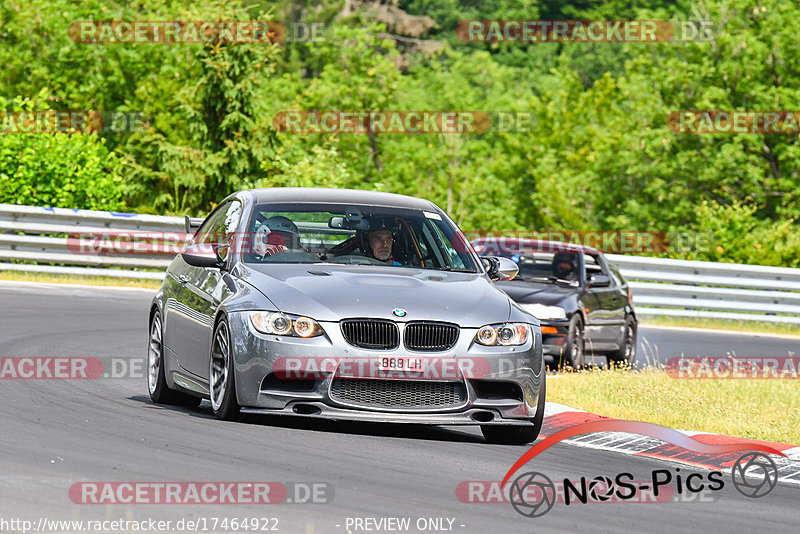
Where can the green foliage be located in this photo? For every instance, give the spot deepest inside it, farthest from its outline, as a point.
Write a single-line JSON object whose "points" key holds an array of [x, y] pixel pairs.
{"points": [[206, 141], [300, 165], [461, 172], [36, 52], [740, 237], [59, 170]]}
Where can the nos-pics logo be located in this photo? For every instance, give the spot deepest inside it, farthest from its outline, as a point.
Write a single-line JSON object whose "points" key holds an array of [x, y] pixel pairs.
{"points": [[533, 494]]}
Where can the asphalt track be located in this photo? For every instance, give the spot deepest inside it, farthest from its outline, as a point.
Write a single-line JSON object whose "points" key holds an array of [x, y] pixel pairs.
{"points": [[54, 433]]}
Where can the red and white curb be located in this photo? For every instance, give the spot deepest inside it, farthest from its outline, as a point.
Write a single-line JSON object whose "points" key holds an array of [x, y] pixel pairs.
{"points": [[558, 417]]}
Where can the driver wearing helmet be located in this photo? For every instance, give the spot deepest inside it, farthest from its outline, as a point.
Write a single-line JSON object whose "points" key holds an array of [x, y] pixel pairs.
{"points": [[276, 234], [378, 240], [564, 266]]}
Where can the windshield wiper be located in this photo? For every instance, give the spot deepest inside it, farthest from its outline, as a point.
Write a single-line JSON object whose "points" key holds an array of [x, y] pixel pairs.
{"points": [[450, 269]]}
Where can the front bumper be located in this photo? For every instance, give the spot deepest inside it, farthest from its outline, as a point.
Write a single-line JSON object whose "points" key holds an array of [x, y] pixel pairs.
{"points": [[554, 337], [498, 385], [472, 416]]}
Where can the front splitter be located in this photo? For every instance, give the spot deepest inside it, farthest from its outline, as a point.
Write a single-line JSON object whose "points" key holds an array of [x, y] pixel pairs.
{"points": [[472, 416]]}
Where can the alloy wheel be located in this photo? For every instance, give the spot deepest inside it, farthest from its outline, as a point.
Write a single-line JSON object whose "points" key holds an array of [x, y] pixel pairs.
{"points": [[154, 354], [218, 377], [577, 349]]}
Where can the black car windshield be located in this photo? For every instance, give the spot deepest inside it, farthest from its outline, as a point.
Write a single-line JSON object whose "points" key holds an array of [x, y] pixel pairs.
{"points": [[354, 234], [551, 267]]}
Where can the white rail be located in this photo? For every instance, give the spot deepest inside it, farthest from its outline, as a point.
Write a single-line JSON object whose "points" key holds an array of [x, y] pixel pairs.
{"points": [[49, 240]]}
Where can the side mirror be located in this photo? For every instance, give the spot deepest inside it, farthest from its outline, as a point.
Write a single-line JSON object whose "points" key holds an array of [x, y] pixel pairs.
{"points": [[205, 255], [499, 268], [191, 224], [599, 280]]}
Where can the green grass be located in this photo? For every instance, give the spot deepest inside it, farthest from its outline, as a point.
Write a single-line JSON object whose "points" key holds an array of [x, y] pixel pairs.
{"points": [[722, 324], [758, 409], [71, 279]]}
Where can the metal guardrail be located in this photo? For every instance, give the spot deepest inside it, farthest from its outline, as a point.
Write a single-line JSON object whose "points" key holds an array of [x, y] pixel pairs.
{"points": [[681, 288], [47, 240]]}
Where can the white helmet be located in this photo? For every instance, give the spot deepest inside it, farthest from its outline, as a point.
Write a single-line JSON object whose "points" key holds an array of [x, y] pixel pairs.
{"points": [[276, 230]]}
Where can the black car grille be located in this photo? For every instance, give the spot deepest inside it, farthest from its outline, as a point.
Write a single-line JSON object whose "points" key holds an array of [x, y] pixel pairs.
{"points": [[371, 333], [430, 336], [398, 393]]}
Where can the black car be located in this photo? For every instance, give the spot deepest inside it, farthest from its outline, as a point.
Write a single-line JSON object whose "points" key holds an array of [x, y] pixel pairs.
{"points": [[582, 301]]}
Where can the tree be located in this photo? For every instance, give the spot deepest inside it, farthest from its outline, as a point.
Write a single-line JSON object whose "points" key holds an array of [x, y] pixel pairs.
{"points": [[67, 170], [207, 141]]}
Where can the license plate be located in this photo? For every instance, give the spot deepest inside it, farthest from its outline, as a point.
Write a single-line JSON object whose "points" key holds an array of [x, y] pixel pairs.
{"points": [[412, 365]]}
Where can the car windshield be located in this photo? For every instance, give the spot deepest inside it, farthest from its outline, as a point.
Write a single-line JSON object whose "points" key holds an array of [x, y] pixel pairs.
{"points": [[355, 234], [560, 267]]}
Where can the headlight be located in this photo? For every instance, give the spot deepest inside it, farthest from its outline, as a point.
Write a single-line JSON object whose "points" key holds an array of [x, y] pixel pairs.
{"points": [[506, 334], [285, 324], [540, 311]]}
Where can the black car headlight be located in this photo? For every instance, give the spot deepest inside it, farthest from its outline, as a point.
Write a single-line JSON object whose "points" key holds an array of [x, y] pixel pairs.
{"points": [[506, 334], [542, 312], [284, 324]]}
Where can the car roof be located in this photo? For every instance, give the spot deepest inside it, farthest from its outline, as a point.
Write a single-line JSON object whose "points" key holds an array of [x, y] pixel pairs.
{"points": [[518, 243], [338, 196]]}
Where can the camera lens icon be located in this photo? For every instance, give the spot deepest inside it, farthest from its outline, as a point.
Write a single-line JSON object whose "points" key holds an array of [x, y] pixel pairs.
{"points": [[754, 475], [532, 494]]}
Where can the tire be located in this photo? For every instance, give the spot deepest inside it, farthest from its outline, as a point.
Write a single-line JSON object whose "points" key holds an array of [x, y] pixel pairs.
{"points": [[519, 435], [221, 376], [574, 352], [627, 352], [156, 380]]}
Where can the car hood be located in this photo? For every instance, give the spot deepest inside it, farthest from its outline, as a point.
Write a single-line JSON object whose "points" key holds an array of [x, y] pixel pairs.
{"points": [[333, 292], [537, 293]]}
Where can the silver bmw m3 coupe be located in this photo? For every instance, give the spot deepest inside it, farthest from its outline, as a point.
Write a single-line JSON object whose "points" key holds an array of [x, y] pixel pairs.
{"points": [[344, 304]]}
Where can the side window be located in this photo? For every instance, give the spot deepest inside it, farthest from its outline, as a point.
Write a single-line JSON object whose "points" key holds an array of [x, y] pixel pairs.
{"points": [[222, 226], [230, 221], [202, 234], [592, 265], [616, 277]]}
